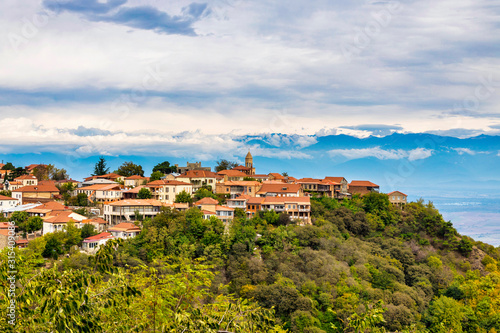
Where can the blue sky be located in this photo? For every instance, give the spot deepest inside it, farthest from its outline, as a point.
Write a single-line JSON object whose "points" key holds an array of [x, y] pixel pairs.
{"points": [[189, 79]]}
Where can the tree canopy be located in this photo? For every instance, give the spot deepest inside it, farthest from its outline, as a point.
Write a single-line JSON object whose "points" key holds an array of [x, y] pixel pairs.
{"points": [[165, 168], [225, 165], [101, 167], [128, 169]]}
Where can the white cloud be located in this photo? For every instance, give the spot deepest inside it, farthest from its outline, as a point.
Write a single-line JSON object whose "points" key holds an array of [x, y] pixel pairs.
{"points": [[462, 151], [381, 154]]}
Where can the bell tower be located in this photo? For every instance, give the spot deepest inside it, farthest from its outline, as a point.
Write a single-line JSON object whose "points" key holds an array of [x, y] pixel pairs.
{"points": [[249, 163]]}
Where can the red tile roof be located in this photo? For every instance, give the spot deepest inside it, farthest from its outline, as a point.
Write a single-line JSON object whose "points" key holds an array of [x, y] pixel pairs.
{"points": [[394, 192], [232, 173], [95, 220], [102, 235], [38, 188], [241, 167], [136, 177], [279, 188], [335, 179], [207, 201], [137, 202], [286, 200], [198, 174], [62, 217], [276, 175], [4, 198], [25, 177], [125, 226], [364, 183]]}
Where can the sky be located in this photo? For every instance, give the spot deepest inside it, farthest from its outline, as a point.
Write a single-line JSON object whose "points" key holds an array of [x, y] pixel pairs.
{"points": [[189, 79]]}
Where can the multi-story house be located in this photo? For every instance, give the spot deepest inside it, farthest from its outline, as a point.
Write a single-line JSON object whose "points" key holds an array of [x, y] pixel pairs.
{"points": [[27, 180], [92, 244], [298, 208], [237, 188], [125, 230], [166, 190], [134, 181], [200, 178], [110, 176], [125, 210], [320, 187], [101, 193], [280, 190], [192, 166], [344, 184], [7, 203], [57, 221], [398, 198], [232, 175], [363, 187], [35, 193], [211, 207]]}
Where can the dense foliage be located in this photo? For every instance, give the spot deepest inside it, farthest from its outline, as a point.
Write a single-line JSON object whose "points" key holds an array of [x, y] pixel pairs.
{"points": [[362, 266]]}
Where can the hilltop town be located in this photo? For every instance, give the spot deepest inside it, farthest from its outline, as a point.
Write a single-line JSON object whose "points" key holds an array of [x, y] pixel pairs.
{"points": [[113, 205]]}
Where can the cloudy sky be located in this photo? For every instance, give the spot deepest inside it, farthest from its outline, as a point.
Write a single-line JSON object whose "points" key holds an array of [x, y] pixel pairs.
{"points": [[123, 76]]}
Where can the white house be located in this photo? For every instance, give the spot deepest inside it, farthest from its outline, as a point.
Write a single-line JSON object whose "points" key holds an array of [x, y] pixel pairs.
{"points": [[91, 244], [125, 230], [59, 220], [7, 203]]}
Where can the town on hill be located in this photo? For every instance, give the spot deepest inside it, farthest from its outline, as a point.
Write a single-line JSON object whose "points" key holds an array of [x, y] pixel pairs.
{"points": [[120, 200]]}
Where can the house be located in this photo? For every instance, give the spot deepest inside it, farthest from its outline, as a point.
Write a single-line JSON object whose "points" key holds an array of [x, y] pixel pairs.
{"points": [[280, 190], [35, 193], [320, 187], [276, 176], [31, 168], [125, 230], [232, 175], [166, 190], [98, 223], [27, 180], [211, 207], [46, 209], [260, 178], [192, 166], [7, 203], [199, 178], [13, 185], [134, 181], [101, 193], [93, 243], [110, 176], [298, 208], [344, 184], [362, 187], [57, 221], [133, 193], [239, 202], [237, 188], [398, 198], [125, 210]]}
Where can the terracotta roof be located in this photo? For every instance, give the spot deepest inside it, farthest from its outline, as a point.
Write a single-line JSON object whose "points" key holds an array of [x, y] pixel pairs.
{"points": [[101, 187], [255, 201], [363, 183], [95, 220], [15, 183], [276, 175], [232, 173], [286, 200], [136, 177], [47, 182], [48, 206], [25, 177], [207, 212], [198, 174], [242, 183], [207, 201], [241, 167], [63, 217], [5, 225], [125, 226], [4, 232], [279, 188], [223, 208], [4, 198], [135, 189], [38, 188], [137, 202], [102, 235], [180, 205], [241, 197], [335, 179], [259, 176], [164, 182], [394, 192]]}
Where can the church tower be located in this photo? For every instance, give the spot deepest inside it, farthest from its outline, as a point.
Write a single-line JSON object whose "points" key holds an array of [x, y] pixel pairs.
{"points": [[249, 163]]}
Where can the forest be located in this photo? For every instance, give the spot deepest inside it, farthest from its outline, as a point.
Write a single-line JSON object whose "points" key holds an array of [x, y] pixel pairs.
{"points": [[363, 265]]}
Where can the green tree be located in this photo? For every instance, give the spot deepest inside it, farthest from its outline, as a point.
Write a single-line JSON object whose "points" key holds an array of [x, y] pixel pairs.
{"points": [[54, 245], [8, 166], [82, 200], [17, 172], [225, 165], [204, 193], [445, 315], [156, 175], [128, 169], [19, 217], [33, 223], [65, 190], [144, 193], [101, 167], [165, 168], [73, 236], [6, 193], [183, 197], [87, 230]]}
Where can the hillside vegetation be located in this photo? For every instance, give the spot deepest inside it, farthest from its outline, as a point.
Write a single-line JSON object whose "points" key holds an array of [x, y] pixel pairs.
{"points": [[362, 266]]}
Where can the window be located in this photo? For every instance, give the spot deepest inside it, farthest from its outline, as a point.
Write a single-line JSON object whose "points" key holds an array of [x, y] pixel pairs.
{"points": [[167, 189]]}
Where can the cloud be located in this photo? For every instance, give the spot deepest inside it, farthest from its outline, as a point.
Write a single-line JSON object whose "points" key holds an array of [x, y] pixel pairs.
{"points": [[84, 131], [381, 154], [376, 129], [461, 133], [462, 151], [139, 17]]}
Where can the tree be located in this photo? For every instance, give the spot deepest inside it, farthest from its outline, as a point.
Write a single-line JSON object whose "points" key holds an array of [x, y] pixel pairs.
{"points": [[82, 200], [87, 231], [59, 174], [66, 189], [144, 193], [19, 218], [34, 223], [17, 172], [128, 169], [165, 168], [41, 172], [6, 193], [284, 174], [225, 165], [101, 167], [204, 193], [8, 166], [183, 197], [156, 175]]}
